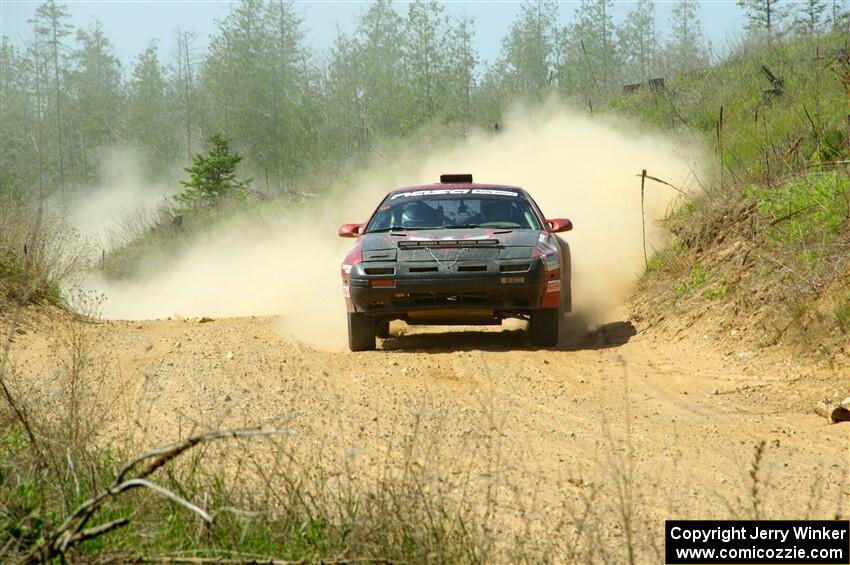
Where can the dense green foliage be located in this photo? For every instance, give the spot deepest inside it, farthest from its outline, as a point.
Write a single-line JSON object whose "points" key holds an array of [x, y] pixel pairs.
{"points": [[65, 97], [213, 176], [806, 210]]}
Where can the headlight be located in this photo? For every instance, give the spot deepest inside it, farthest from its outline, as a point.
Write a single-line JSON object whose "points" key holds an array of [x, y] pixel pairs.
{"points": [[549, 256]]}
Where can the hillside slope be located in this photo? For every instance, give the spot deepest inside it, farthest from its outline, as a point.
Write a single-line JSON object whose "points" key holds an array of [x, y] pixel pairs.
{"points": [[762, 253]]}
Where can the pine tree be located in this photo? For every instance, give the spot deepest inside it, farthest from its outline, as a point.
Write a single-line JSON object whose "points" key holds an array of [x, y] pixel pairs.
{"points": [[686, 49], [184, 85], [840, 18], [764, 16], [255, 72], [425, 53], [462, 64], [529, 50], [50, 28], [809, 16], [19, 125], [96, 86], [149, 124], [639, 42], [596, 32], [213, 176], [342, 97], [382, 87]]}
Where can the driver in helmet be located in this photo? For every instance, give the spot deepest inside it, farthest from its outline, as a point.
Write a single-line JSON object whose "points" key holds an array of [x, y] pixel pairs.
{"points": [[496, 211], [419, 215]]}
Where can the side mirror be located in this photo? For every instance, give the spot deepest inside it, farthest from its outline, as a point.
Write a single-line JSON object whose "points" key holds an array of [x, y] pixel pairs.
{"points": [[559, 224], [350, 230]]}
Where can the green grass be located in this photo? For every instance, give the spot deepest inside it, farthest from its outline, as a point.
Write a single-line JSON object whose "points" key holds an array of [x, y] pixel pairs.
{"points": [[805, 210], [306, 516], [762, 140], [717, 291], [665, 258], [696, 279]]}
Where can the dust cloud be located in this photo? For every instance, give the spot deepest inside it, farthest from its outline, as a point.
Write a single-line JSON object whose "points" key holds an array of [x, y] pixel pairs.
{"points": [[122, 197], [575, 166]]}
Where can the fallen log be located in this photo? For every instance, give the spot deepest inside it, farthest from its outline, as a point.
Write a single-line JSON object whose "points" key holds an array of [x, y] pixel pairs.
{"points": [[832, 411]]}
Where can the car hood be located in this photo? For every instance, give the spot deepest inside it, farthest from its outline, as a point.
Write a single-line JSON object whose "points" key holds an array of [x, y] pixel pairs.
{"points": [[472, 244]]}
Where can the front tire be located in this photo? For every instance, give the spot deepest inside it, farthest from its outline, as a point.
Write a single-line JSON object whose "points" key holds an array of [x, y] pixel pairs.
{"points": [[544, 327], [382, 329], [361, 332]]}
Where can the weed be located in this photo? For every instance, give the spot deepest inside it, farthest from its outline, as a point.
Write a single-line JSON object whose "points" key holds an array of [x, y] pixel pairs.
{"points": [[842, 314], [696, 279], [663, 259], [805, 209], [715, 292]]}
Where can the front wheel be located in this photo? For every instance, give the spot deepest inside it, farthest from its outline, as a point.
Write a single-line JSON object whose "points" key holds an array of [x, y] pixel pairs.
{"points": [[382, 329], [544, 327], [361, 332]]}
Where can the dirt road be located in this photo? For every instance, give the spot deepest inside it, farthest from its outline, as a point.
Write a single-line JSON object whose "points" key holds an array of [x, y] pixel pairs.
{"points": [[552, 424]]}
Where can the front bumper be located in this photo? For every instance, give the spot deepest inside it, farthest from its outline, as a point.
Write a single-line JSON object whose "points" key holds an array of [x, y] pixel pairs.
{"points": [[502, 287]]}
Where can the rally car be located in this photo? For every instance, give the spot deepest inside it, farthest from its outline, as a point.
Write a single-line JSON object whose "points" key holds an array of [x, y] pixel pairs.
{"points": [[456, 252]]}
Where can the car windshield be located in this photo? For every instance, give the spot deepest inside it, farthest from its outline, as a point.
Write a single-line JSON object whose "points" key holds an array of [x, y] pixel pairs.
{"points": [[454, 208]]}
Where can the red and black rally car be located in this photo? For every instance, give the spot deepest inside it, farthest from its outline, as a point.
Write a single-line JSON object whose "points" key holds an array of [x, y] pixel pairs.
{"points": [[456, 253]]}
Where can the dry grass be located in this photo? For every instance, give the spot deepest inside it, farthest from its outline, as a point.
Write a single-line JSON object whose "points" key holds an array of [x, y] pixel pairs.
{"points": [[68, 490], [39, 253]]}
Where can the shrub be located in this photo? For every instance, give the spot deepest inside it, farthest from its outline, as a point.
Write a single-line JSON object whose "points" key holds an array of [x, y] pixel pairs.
{"points": [[38, 253], [213, 176], [696, 278]]}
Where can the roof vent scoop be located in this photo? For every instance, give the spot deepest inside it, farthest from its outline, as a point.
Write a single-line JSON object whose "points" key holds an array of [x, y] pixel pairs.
{"points": [[456, 178]]}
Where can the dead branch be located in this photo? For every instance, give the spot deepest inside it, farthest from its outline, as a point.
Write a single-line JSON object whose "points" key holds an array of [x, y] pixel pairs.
{"points": [[168, 452], [72, 531], [97, 531], [249, 559], [656, 179], [833, 412], [792, 214], [7, 394]]}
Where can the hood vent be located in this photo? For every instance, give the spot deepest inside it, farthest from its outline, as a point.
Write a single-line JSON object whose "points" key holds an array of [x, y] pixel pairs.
{"points": [[447, 243]]}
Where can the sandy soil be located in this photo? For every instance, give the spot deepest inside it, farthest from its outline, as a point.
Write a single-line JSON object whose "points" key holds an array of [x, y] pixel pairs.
{"points": [[552, 423]]}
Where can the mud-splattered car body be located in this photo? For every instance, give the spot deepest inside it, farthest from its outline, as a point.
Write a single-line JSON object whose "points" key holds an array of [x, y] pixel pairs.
{"points": [[456, 253]]}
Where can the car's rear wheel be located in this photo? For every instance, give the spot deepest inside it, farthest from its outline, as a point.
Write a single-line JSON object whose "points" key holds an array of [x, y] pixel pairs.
{"points": [[361, 332], [382, 329], [544, 327]]}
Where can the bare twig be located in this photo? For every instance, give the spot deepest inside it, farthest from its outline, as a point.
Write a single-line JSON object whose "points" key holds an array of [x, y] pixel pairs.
{"points": [[255, 560], [656, 179], [643, 217], [72, 531]]}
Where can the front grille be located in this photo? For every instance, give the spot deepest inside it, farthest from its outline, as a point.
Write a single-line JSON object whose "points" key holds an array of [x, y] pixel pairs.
{"points": [[447, 243], [472, 268], [422, 270]]}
